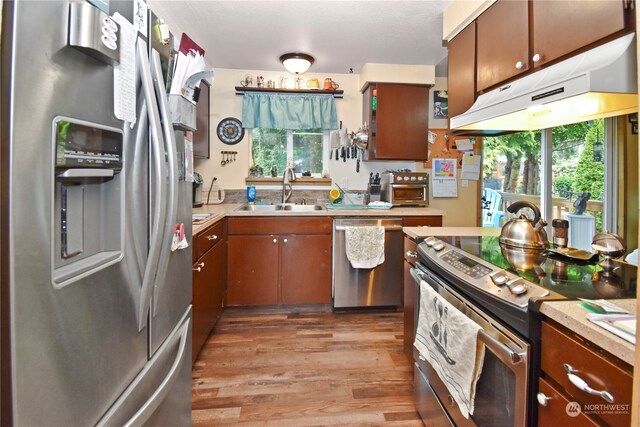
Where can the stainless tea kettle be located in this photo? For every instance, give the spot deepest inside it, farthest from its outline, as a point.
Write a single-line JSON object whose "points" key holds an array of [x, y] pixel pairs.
{"points": [[522, 232], [360, 138]]}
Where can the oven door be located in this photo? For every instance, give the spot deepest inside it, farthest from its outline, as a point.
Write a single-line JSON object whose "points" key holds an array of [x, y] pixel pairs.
{"points": [[501, 390], [409, 194]]}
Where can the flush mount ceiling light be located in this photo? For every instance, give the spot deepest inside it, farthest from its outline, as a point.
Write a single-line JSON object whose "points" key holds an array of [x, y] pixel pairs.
{"points": [[296, 63]]}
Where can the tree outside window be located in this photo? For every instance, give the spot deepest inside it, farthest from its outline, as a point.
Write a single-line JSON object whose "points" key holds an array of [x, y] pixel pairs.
{"points": [[303, 149], [512, 166]]}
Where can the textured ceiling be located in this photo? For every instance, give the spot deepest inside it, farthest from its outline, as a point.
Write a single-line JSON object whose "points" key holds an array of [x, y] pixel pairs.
{"points": [[339, 34]]}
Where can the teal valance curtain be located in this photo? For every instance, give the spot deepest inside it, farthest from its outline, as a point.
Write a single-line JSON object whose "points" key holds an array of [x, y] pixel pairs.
{"points": [[289, 111]]}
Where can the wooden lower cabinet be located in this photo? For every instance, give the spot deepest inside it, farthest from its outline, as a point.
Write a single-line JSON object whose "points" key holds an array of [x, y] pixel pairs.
{"points": [[305, 266], [252, 270], [557, 411], [279, 261], [208, 293], [599, 369], [422, 221]]}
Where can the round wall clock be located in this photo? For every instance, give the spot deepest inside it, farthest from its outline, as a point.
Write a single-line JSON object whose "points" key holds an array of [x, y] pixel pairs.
{"points": [[230, 131]]}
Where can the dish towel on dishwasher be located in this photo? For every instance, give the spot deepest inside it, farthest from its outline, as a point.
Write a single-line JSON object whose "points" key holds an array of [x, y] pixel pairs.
{"points": [[365, 246], [448, 340]]}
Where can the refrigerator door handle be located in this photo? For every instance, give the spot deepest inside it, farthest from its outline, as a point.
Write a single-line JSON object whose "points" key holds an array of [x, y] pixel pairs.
{"points": [[172, 175], [153, 402], [159, 168]]}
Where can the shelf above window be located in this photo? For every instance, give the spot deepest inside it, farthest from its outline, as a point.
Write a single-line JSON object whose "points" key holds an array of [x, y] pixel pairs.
{"points": [[241, 90]]}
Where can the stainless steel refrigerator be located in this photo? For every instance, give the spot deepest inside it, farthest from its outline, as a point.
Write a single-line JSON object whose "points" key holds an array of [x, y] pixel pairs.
{"points": [[95, 304]]}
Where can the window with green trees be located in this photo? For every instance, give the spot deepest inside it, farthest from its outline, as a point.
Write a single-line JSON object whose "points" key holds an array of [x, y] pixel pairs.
{"points": [[513, 163], [303, 149]]}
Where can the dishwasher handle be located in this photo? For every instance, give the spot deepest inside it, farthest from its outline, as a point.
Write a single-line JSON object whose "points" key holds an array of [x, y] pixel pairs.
{"points": [[386, 227]]}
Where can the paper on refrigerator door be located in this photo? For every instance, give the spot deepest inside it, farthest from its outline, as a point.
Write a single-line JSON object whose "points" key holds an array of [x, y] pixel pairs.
{"points": [[124, 74], [190, 60]]}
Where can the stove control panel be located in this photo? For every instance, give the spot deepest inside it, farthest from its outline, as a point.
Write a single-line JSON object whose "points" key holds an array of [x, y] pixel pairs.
{"points": [[465, 264], [504, 285]]}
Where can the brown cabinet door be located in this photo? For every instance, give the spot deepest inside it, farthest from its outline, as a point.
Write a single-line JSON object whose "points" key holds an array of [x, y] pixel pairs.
{"points": [[252, 270], [599, 370], [557, 411], [208, 294], [417, 221], [561, 27], [503, 43], [402, 122], [305, 265], [462, 71]]}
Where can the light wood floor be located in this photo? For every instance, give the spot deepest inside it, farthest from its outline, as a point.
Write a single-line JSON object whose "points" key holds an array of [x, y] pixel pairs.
{"points": [[305, 368]]}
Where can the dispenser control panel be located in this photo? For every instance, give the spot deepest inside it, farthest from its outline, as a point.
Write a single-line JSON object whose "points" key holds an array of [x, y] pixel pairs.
{"points": [[83, 145]]}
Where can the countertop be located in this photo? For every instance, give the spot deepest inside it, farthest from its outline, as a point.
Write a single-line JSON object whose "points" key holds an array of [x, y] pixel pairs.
{"points": [[422, 232], [573, 316], [228, 210]]}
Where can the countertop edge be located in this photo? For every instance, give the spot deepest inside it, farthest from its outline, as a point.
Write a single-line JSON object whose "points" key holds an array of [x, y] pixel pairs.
{"points": [[422, 232], [573, 316], [221, 211]]}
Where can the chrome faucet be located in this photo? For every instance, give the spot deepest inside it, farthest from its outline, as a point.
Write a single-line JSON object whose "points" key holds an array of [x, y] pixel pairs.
{"points": [[287, 177]]}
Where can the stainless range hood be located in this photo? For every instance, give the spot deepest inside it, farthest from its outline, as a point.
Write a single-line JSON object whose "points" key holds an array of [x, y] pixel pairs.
{"points": [[601, 82]]}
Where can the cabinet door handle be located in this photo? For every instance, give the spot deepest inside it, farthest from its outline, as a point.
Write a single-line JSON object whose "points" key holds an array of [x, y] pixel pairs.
{"points": [[537, 57], [543, 399], [519, 65], [198, 269], [285, 240], [275, 240], [582, 384], [212, 237], [412, 254]]}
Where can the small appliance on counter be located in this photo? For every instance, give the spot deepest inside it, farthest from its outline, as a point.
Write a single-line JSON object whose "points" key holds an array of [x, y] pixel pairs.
{"points": [[197, 190], [373, 189], [405, 188]]}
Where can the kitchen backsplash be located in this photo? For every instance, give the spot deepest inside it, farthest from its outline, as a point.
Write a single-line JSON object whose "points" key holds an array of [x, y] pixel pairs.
{"points": [[310, 197]]}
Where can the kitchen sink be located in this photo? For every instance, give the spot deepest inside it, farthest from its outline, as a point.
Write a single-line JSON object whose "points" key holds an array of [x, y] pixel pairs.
{"points": [[260, 208], [280, 207], [302, 208]]}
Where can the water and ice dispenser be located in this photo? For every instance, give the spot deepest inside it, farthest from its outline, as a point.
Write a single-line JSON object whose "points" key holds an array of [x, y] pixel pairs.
{"points": [[88, 217]]}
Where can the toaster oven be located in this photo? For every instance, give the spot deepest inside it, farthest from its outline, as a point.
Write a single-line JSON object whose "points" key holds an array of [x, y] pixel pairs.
{"points": [[405, 188]]}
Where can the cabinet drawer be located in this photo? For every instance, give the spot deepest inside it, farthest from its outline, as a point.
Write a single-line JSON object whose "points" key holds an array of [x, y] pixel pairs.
{"points": [[417, 221], [557, 410], [288, 225], [410, 247], [597, 370], [207, 238]]}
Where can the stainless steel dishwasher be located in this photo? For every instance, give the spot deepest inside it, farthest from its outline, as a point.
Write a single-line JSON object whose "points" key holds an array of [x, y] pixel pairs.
{"points": [[381, 286]]}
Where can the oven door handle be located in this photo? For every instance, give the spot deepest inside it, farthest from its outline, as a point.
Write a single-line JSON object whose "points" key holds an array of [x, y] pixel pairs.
{"points": [[503, 352], [417, 275]]}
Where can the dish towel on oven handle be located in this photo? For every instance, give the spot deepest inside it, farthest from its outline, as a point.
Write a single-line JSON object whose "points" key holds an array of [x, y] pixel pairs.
{"points": [[365, 246], [448, 340]]}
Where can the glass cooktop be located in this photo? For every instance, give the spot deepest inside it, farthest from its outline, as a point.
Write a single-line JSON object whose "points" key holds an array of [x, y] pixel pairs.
{"points": [[570, 278]]}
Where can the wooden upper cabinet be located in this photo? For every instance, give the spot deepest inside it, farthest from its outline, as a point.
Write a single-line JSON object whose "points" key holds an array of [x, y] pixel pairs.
{"points": [[502, 43], [399, 125], [561, 27], [462, 71]]}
